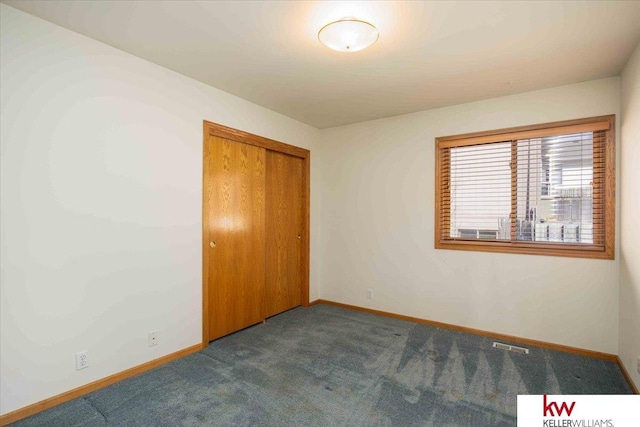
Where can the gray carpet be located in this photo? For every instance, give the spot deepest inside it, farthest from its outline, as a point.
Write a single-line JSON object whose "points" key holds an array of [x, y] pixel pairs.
{"points": [[327, 366]]}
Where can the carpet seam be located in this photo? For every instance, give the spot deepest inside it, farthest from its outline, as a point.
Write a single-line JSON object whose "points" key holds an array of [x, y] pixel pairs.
{"points": [[86, 399]]}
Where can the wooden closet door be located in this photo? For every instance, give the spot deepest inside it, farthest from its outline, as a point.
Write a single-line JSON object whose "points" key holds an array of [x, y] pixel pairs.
{"points": [[234, 205], [284, 229]]}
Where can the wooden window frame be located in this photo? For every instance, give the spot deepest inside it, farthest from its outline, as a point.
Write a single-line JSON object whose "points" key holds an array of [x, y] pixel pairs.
{"points": [[598, 250]]}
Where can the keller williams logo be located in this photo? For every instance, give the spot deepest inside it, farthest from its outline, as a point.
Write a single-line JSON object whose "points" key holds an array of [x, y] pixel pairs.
{"points": [[548, 408]]}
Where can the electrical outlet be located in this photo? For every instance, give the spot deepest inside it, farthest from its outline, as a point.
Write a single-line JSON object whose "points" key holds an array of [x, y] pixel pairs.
{"points": [[153, 338], [82, 360], [369, 293]]}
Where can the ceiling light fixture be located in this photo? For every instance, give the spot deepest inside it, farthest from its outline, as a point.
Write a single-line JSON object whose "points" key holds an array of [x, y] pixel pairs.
{"points": [[348, 35]]}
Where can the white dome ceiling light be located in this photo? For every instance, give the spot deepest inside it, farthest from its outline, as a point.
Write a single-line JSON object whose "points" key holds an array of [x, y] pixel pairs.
{"points": [[348, 35]]}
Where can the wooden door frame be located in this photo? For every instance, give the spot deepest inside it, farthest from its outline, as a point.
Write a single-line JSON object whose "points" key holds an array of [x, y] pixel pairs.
{"points": [[214, 129]]}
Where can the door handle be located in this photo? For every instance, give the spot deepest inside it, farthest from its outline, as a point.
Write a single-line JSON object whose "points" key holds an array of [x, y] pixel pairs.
{"points": [[212, 244]]}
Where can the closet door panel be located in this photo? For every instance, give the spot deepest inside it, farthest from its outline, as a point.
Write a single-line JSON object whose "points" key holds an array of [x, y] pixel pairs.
{"points": [[284, 229], [234, 197]]}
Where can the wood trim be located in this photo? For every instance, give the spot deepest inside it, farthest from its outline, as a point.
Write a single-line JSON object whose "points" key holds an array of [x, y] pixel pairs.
{"points": [[523, 249], [306, 226], [205, 239], [610, 192], [34, 408], [627, 376], [606, 219], [226, 132], [504, 337], [525, 132], [221, 131], [437, 235]]}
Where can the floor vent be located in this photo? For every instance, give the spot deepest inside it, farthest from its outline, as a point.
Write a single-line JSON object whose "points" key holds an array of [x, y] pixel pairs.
{"points": [[513, 348]]}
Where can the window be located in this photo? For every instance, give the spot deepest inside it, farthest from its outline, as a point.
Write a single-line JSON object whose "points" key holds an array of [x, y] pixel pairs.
{"points": [[545, 189]]}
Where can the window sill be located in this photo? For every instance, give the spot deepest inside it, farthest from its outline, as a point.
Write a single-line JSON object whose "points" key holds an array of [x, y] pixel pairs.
{"points": [[547, 249]]}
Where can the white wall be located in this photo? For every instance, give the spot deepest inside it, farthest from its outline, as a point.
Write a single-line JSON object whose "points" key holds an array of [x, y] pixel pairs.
{"points": [[377, 221], [101, 205], [629, 350]]}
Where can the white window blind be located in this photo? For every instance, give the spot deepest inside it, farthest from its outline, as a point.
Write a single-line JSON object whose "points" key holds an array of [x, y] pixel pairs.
{"points": [[555, 188], [480, 189]]}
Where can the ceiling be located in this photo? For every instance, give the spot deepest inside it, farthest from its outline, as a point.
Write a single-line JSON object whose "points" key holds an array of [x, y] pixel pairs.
{"points": [[430, 54]]}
